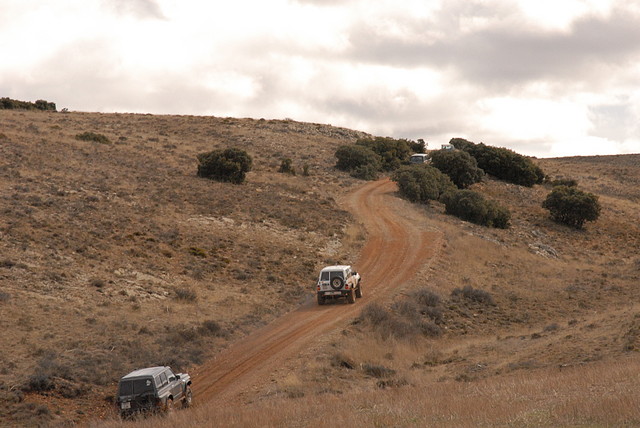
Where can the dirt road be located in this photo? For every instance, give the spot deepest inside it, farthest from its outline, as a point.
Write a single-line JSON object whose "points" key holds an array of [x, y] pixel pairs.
{"points": [[396, 248]]}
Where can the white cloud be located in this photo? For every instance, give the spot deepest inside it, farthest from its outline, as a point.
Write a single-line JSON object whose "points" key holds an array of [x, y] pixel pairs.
{"points": [[542, 77]]}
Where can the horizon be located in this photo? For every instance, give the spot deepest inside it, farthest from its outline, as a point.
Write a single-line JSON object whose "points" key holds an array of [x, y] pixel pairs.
{"points": [[545, 79], [429, 148]]}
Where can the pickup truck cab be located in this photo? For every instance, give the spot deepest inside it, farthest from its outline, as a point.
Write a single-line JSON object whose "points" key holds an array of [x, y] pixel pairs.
{"points": [[338, 281]]}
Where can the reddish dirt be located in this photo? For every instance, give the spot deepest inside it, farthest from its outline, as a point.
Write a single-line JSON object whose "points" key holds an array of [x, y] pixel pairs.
{"points": [[396, 248]]}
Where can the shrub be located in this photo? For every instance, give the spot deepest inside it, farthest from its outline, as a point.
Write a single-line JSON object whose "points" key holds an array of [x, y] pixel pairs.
{"points": [[45, 105], [393, 153], [365, 172], [40, 382], [8, 103], [425, 297], [473, 294], [212, 328], [92, 136], [7, 263], [227, 165], [352, 158], [569, 182], [341, 360], [286, 167], [502, 163], [573, 207], [305, 170], [198, 252], [422, 183], [98, 283], [430, 329], [186, 295], [418, 147], [460, 166], [378, 371], [375, 314], [473, 207]]}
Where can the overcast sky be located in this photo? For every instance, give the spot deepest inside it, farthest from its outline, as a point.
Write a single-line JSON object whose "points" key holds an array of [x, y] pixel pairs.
{"points": [[542, 77]]}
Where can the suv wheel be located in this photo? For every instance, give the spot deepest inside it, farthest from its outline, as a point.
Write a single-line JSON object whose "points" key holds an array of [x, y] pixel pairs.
{"points": [[359, 291], [336, 283], [320, 299], [351, 297], [188, 398], [169, 406]]}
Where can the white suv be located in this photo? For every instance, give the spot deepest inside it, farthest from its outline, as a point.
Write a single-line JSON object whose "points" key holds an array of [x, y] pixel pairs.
{"points": [[338, 281]]}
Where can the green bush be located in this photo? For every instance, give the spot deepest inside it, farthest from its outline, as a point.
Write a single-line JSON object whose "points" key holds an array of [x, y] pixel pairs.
{"points": [[9, 104], [459, 165], [365, 172], [92, 136], [573, 207], [286, 167], [227, 165], [45, 105], [472, 206], [418, 147], [422, 183], [393, 153], [360, 161], [502, 163]]}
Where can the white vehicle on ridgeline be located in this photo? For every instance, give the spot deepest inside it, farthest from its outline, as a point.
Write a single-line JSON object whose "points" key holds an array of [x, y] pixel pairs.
{"points": [[419, 158], [338, 281]]}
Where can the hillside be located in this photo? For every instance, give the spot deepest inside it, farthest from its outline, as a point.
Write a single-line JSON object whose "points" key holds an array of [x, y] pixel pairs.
{"points": [[115, 256]]}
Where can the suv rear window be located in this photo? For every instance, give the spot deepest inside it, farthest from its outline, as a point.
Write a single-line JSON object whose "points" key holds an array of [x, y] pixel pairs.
{"points": [[135, 387]]}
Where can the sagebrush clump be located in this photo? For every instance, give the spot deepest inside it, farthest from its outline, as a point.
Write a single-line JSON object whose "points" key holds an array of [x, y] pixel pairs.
{"points": [[92, 136], [473, 294], [286, 167]]}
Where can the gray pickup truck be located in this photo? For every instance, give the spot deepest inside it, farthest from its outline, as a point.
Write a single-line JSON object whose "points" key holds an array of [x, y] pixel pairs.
{"points": [[154, 389]]}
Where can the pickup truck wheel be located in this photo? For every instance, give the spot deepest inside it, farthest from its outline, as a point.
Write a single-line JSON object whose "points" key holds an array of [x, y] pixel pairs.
{"points": [[336, 283], [188, 398], [320, 300], [359, 291], [351, 297]]}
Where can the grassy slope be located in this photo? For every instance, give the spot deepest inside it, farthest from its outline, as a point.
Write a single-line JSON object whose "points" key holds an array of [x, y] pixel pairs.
{"points": [[97, 246], [116, 256]]}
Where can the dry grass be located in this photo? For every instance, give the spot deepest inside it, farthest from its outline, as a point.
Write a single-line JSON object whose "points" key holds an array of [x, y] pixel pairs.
{"points": [[602, 394], [113, 255], [116, 256]]}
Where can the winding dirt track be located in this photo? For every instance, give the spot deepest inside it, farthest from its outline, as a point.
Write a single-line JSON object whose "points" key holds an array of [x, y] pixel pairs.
{"points": [[395, 250]]}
